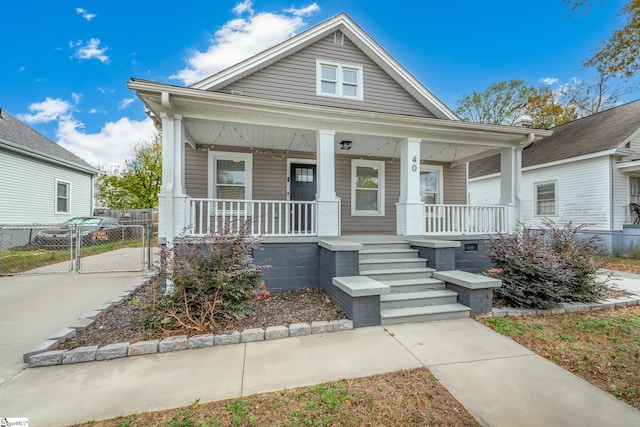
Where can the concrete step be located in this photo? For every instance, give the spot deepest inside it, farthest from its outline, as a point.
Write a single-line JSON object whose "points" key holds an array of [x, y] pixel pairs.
{"points": [[417, 299], [424, 314], [400, 273], [366, 254], [380, 244], [391, 263], [415, 285]]}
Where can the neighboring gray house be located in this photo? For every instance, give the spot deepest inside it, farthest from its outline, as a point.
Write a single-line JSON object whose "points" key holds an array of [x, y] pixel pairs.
{"points": [[587, 172], [40, 182]]}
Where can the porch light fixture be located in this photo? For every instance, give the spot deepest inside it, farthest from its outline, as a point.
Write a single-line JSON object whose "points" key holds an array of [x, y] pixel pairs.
{"points": [[345, 145]]}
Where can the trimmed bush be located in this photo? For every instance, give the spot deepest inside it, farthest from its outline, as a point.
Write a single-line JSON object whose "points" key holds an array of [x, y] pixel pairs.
{"points": [[541, 268]]}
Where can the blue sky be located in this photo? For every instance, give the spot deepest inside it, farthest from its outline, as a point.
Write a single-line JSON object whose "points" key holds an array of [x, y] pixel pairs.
{"points": [[65, 64]]}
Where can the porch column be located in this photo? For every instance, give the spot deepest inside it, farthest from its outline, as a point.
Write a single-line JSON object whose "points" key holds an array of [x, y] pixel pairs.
{"points": [[171, 200], [328, 205], [410, 209], [510, 172]]}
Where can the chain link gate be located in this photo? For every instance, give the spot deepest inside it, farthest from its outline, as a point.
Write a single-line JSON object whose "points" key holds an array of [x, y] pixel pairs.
{"points": [[56, 248]]}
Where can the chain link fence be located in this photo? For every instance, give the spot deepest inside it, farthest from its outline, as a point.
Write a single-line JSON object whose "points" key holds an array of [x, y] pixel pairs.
{"points": [[61, 248]]}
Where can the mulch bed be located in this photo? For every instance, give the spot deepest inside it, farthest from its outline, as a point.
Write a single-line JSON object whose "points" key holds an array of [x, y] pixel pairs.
{"points": [[124, 322]]}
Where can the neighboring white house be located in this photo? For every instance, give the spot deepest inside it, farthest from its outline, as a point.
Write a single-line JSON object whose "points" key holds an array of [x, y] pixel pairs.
{"points": [[40, 182], [587, 172]]}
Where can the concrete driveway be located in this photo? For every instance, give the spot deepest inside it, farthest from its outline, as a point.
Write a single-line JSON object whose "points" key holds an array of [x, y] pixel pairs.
{"points": [[35, 306]]}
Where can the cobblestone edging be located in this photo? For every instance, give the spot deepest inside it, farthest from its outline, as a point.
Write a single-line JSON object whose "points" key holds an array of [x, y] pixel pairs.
{"points": [[608, 304], [46, 354]]}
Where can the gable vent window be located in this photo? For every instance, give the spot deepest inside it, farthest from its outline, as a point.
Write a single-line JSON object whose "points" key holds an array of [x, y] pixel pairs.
{"points": [[339, 80]]}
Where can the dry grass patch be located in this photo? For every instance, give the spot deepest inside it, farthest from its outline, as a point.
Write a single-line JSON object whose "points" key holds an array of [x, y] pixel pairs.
{"points": [[404, 398], [630, 264], [601, 347]]}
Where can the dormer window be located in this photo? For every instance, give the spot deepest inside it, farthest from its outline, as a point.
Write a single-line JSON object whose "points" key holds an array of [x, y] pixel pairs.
{"points": [[339, 80]]}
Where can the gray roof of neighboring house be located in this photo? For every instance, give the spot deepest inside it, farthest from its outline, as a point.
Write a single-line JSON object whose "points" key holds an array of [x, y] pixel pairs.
{"points": [[602, 131], [18, 136]]}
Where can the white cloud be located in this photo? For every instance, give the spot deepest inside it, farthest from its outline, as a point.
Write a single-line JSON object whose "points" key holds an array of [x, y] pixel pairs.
{"points": [[240, 38], [125, 103], [549, 81], [111, 146], [86, 15], [21, 69], [47, 111], [104, 90], [91, 50]]}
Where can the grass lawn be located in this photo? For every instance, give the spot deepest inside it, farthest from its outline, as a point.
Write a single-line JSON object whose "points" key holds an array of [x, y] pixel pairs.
{"points": [[405, 398]]}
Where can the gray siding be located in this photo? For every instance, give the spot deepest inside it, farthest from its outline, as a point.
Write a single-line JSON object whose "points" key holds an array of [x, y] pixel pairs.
{"points": [[27, 190], [294, 79], [270, 183], [455, 185]]}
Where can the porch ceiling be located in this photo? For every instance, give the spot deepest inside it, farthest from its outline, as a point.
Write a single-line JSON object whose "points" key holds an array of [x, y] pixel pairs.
{"points": [[217, 119]]}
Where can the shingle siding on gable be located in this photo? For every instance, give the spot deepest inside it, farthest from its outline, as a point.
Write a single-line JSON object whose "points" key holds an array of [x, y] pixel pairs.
{"points": [[27, 193], [294, 79]]}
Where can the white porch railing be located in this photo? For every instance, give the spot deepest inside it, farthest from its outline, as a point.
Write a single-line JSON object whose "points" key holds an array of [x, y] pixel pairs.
{"points": [[263, 217], [463, 219]]}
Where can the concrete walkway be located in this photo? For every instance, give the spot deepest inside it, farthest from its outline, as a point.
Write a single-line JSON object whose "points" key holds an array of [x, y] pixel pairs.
{"points": [[500, 382]]}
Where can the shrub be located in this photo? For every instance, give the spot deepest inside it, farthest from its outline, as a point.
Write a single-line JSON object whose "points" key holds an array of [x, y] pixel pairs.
{"points": [[211, 279], [541, 268]]}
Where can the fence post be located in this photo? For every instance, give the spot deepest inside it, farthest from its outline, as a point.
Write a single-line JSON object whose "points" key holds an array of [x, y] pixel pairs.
{"points": [[149, 231]]}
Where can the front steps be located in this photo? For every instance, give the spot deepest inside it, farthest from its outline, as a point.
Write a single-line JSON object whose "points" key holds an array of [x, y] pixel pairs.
{"points": [[415, 295]]}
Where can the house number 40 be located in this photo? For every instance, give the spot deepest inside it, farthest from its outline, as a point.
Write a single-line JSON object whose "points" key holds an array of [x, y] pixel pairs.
{"points": [[414, 166]]}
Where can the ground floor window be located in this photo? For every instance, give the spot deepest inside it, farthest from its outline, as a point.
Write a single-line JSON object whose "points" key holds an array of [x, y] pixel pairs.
{"points": [[230, 175], [431, 184], [634, 189], [63, 197], [367, 187], [545, 198]]}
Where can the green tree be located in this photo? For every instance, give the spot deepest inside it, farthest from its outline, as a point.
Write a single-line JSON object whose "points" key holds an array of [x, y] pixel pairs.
{"points": [[546, 108], [620, 55], [135, 185], [500, 104]]}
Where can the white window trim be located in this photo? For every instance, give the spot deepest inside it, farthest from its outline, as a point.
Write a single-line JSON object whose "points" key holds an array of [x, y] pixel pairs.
{"points": [[339, 82], [229, 155], [439, 170], [55, 200], [381, 193], [555, 200]]}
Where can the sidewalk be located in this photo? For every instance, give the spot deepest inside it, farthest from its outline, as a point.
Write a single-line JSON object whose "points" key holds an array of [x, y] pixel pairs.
{"points": [[500, 382]]}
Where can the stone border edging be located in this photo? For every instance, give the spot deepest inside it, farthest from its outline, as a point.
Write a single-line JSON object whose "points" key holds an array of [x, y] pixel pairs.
{"points": [[46, 354], [608, 304]]}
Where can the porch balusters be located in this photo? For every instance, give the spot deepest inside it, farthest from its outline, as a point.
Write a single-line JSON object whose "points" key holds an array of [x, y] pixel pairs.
{"points": [[463, 219], [264, 217]]}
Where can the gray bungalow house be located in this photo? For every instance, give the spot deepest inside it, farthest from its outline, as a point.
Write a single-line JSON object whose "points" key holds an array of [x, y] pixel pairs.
{"points": [[325, 144], [41, 182], [587, 172]]}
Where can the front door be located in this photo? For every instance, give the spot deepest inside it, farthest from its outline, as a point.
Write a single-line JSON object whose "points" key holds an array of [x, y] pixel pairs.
{"points": [[302, 188]]}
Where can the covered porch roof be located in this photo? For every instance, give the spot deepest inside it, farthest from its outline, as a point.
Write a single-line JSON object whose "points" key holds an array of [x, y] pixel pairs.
{"points": [[212, 118]]}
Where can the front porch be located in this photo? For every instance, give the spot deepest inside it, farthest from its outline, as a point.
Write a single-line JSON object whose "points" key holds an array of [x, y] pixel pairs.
{"points": [[273, 218]]}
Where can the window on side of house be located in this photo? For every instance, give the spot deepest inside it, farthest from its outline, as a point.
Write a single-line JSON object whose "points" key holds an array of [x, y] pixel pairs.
{"points": [[63, 197], [367, 188], [634, 189], [230, 175], [545, 198], [431, 184], [339, 80]]}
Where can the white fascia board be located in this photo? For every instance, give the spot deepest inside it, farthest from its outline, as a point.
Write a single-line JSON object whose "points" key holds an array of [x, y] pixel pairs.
{"points": [[50, 159], [632, 166], [571, 160], [484, 177], [449, 131]]}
